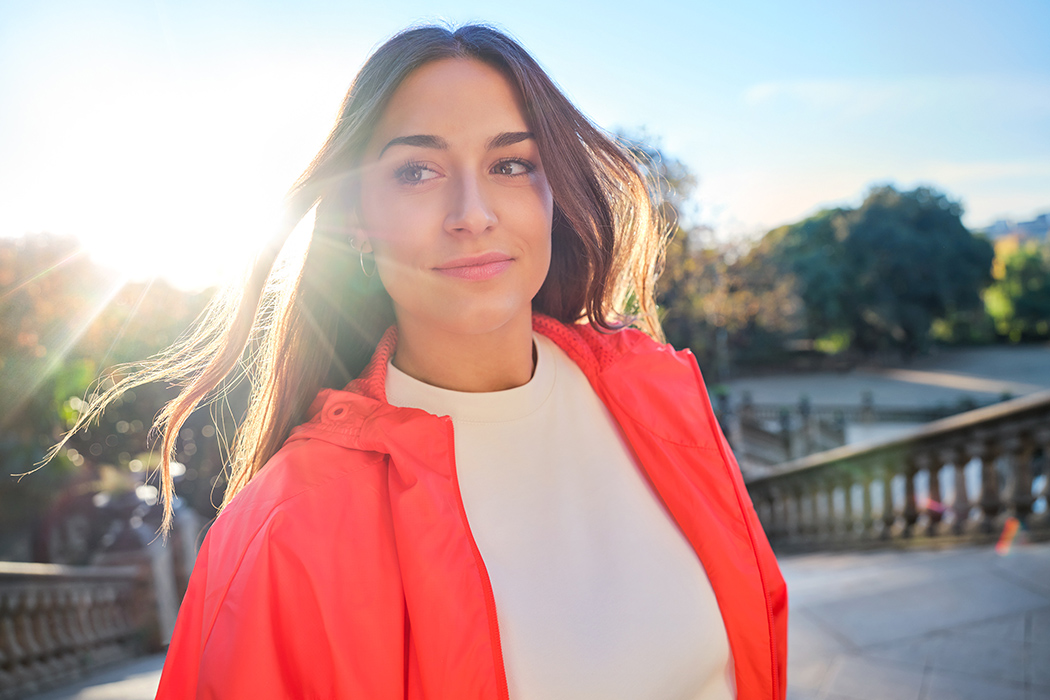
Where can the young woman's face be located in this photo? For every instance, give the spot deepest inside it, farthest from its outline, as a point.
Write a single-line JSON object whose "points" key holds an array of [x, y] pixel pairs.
{"points": [[454, 201]]}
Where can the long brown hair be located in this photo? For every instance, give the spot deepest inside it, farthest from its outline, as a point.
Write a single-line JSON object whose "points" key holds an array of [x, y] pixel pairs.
{"points": [[319, 328]]}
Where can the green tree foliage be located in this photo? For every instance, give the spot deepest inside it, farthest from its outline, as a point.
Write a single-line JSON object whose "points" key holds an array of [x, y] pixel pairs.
{"points": [[64, 320], [1019, 300], [881, 274], [716, 299]]}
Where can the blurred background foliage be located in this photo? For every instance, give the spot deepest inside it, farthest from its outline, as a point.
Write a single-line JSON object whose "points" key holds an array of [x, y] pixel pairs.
{"points": [[65, 321], [878, 283], [885, 280]]}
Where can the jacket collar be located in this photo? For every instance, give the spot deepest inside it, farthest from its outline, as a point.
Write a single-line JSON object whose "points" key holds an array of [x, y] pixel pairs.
{"points": [[359, 415], [372, 380]]}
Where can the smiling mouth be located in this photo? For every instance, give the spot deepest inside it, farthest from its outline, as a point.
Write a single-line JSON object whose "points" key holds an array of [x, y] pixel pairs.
{"points": [[481, 267]]}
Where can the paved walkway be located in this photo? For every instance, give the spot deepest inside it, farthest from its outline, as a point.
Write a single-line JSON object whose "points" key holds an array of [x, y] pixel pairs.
{"points": [[962, 624], [135, 680], [946, 377], [953, 625]]}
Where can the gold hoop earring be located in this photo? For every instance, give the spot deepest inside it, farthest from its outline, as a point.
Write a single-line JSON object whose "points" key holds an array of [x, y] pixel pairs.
{"points": [[361, 258], [356, 245]]}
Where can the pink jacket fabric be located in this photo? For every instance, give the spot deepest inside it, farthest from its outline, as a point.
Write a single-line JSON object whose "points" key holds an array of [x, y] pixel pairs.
{"points": [[347, 569]]}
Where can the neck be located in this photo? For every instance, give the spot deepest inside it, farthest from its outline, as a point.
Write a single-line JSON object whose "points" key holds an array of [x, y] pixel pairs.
{"points": [[492, 361]]}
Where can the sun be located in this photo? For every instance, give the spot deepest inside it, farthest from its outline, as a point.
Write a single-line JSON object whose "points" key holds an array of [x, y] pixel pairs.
{"points": [[158, 177]]}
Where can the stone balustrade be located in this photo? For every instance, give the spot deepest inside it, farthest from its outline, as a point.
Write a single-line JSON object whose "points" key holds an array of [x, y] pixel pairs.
{"points": [[958, 478], [59, 622]]}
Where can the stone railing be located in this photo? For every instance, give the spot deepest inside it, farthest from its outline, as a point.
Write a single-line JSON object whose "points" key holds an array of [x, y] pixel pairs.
{"points": [[957, 478], [758, 445], [58, 623], [864, 411]]}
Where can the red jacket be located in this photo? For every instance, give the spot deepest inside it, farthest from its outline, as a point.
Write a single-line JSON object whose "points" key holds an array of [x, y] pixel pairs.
{"points": [[346, 568]]}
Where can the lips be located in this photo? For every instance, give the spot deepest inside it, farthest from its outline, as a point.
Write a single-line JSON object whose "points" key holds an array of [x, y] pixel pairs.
{"points": [[479, 267]]}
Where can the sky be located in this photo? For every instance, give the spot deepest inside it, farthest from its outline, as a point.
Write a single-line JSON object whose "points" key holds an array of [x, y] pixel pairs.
{"points": [[163, 134]]}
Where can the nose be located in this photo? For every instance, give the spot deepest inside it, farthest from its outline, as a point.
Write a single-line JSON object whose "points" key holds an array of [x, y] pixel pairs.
{"points": [[469, 212]]}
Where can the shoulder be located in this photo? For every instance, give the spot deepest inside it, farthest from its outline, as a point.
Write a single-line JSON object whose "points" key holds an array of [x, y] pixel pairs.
{"points": [[597, 350], [305, 484], [283, 576], [640, 380]]}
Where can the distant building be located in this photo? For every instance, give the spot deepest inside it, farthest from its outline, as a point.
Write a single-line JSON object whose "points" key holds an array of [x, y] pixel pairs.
{"points": [[1037, 228]]}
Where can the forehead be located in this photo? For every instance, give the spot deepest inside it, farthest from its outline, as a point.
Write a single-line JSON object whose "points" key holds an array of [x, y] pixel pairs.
{"points": [[456, 98]]}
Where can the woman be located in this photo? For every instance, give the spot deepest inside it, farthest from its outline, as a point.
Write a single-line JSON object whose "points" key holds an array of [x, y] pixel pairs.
{"points": [[514, 496]]}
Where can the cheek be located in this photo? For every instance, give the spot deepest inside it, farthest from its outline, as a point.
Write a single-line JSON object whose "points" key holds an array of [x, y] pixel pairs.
{"points": [[393, 226]]}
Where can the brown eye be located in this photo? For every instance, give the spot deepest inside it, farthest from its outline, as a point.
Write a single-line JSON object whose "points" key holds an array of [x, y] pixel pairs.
{"points": [[513, 168], [414, 173]]}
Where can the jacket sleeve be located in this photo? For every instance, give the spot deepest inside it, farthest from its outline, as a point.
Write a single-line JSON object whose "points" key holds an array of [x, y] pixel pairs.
{"points": [[303, 602], [259, 634], [772, 579]]}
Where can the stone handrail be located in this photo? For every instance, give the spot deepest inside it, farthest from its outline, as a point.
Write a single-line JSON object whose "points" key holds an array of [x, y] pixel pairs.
{"points": [[960, 477], [58, 623]]}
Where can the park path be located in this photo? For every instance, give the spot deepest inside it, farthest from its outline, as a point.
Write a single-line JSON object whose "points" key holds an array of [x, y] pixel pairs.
{"points": [[960, 624], [945, 377]]}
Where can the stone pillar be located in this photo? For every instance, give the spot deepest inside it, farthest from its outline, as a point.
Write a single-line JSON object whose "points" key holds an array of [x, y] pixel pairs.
{"points": [[1021, 451], [911, 511], [931, 464], [778, 513], [867, 515], [824, 507], [889, 515], [848, 518], [961, 504], [990, 502]]}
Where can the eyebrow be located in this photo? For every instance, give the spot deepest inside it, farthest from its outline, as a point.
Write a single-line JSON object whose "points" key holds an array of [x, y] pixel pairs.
{"points": [[501, 140]]}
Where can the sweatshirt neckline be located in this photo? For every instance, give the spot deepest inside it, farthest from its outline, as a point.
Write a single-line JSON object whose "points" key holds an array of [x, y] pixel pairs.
{"points": [[477, 407]]}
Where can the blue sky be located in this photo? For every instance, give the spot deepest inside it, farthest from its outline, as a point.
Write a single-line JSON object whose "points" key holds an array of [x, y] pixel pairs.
{"points": [[158, 131]]}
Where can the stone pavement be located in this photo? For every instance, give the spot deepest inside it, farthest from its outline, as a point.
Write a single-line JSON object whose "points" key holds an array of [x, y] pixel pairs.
{"points": [[134, 680], [945, 377], [956, 624], [961, 624]]}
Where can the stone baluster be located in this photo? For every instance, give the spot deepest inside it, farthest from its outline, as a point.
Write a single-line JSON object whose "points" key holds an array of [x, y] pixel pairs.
{"points": [[83, 605], [889, 514], [931, 464], [990, 502], [27, 638], [8, 682], [867, 511], [74, 623], [805, 512], [911, 510], [793, 510], [7, 679], [17, 657], [763, 510], [1021, 450], [961, 503], [824, 508], [59, 621], [39, 610], [1042, 439], [849, 520], [812, 510], [777, 525], [828, 517]]}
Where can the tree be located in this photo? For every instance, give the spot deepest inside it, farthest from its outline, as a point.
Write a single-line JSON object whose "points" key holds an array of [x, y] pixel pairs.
{"points": [[881, 274], [64, 321], [1019, 300], [714, 298]]}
